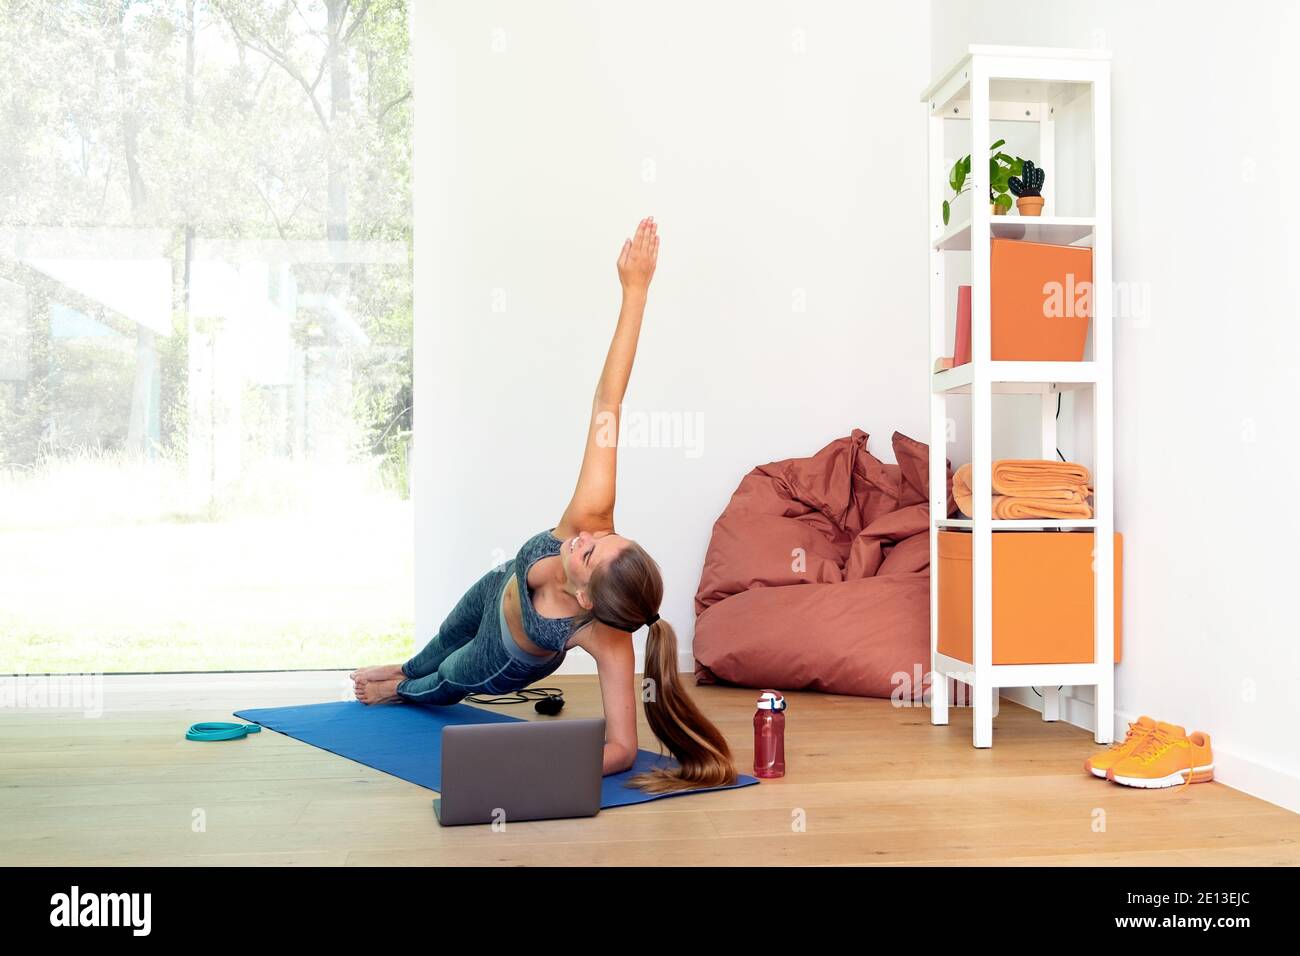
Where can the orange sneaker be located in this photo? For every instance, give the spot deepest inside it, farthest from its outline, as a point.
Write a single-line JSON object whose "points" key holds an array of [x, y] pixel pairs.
{"points": [[1167, 758], [1138, 731]]}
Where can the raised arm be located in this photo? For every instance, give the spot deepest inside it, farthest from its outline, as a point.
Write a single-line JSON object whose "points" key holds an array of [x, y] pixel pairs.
{"points": [[592, 505]]}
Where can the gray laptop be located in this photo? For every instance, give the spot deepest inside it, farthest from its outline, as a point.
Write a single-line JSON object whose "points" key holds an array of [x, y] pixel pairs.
{"points": [[530, 770]]}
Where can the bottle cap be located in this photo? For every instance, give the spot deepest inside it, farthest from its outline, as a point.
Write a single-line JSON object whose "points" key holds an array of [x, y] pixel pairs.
{"points": [[771, 700]]}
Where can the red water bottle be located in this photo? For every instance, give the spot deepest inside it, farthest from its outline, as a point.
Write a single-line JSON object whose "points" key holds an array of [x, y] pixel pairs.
{"points": [[769, 735]]}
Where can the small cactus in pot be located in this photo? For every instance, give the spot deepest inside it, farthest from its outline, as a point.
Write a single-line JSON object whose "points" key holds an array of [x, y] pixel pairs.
{"points": [[1028, 189]]}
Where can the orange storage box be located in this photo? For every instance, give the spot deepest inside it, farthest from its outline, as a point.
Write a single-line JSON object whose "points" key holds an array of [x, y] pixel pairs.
{"points": [[1041, 301], [1042, 596]]}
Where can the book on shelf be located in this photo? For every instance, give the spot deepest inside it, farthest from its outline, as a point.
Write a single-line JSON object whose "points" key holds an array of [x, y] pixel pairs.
{"points": [[961, 345]]}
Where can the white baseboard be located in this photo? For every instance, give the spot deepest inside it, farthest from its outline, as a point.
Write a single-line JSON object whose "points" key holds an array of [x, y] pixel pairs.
{"points": [[580, 662], [1239, 771]]}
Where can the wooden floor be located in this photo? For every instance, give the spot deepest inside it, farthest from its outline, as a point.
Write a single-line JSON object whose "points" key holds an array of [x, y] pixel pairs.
{"points": [[871, 784]]}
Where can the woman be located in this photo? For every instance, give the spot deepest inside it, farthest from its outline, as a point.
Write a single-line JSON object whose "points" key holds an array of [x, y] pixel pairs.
{"points": [[578, 585]]}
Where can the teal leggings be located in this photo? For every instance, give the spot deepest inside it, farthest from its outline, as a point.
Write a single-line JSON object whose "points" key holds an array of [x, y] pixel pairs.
{"points": [[473, 652]]}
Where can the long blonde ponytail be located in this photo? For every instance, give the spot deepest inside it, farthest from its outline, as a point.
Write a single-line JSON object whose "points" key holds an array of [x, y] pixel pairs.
{"points": [[625, 594], [703, 757]]}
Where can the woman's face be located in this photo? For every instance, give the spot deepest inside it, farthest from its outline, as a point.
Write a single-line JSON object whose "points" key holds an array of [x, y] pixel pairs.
{"points": [[584, 553]]}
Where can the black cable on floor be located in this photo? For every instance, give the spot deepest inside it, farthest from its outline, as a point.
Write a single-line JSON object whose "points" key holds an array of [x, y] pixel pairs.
{"points": [[517, 697]]}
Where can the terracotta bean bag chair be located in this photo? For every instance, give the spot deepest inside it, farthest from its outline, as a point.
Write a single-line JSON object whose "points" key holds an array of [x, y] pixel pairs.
{"points": [[817, 575]]}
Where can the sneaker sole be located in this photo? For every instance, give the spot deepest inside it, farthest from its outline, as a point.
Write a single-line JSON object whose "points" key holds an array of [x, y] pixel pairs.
{"points": [[1177, 779], [1087, 765]]}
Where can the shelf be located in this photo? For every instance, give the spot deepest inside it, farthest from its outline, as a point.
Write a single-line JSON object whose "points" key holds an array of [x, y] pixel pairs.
{"points": [[1015, 82], [1017, 524], [1059, 103], [1056, 230], [1017, 377]]}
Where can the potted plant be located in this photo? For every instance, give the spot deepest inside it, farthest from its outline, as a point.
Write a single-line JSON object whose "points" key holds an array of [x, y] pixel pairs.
{"points": [[1001, 168], [1028, 187]]}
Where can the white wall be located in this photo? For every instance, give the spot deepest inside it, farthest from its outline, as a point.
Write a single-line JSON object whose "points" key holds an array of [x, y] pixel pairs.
{"points": [[780, 146], [1205, 217]]}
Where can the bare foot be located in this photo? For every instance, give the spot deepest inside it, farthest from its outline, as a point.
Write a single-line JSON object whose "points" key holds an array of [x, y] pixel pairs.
{"points": [[379, 672], [378, 691]]}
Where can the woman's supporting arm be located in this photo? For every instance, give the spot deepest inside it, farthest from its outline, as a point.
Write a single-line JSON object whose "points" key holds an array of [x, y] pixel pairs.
{"points": [[592, 505], [616, 665]]}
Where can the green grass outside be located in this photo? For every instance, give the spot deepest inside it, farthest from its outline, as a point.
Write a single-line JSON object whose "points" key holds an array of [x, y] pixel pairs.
{"points": [[325, 584]]}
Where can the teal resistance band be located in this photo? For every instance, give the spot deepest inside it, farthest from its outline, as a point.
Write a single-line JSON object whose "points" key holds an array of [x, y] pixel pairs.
{"points": [[220, 731]]}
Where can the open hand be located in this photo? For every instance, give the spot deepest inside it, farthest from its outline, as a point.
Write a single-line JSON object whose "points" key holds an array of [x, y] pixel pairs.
{"points": [[636, 263]]}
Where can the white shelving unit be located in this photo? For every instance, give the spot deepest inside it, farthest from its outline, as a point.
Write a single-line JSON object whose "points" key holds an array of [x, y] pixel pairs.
{"points": [[1021, 85]]}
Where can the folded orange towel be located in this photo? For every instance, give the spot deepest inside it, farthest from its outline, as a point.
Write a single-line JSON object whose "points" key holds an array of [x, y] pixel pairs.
{"points": [[1052, 498], [1006, 506], [961, 489], [1039, 478]]}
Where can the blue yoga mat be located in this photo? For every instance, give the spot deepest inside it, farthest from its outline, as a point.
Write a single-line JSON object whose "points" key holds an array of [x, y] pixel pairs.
{"points": [[406, 741]]}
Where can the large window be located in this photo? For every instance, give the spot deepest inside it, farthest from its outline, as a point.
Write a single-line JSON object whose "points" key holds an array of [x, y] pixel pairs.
{"points": [[205, 334]]}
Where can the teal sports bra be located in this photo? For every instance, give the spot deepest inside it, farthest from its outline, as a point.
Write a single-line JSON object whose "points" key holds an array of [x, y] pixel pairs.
{"points": [[551, 633]]}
